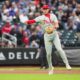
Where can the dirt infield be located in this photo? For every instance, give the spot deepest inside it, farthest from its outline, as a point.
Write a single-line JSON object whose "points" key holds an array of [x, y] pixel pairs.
{"points": [[26, 70], [40, 72]]}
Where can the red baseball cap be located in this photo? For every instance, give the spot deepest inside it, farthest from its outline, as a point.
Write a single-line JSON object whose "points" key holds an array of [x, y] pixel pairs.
{"points": [[45, 7]]}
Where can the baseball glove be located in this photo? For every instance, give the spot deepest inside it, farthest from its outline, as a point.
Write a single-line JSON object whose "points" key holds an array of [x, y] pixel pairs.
{"points": [[49, 30]]}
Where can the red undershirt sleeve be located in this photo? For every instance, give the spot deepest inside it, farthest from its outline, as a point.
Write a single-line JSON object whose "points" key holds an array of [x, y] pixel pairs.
{"points": [[31, 21]]}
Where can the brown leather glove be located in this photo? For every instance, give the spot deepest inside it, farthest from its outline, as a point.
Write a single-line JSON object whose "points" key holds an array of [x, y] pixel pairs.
{"points": [[49, 30]]}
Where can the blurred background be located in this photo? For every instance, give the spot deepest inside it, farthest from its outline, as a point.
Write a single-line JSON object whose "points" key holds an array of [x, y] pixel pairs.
{"points": [[17, 37]]}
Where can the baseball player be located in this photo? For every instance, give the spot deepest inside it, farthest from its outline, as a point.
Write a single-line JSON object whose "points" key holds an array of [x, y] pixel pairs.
{"points": [[49, 25]]}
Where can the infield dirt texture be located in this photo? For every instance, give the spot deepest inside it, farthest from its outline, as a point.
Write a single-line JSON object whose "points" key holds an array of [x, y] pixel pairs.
{"points": [[35, 73]]}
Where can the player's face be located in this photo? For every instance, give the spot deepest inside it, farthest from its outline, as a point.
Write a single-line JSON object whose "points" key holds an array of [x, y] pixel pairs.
{"points": [[45, 11]]}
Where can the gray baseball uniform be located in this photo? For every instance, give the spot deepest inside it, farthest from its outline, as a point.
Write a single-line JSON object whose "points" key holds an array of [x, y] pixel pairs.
{"points": [[49, 39]]}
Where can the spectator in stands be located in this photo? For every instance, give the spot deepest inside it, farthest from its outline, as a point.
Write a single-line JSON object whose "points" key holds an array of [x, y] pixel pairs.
{"points": [[70, 25], [12, 13], [76, 15], [37, 2], [6, 28], [5, 14], [7, 3], [4, 8], [64, 19], [77, 10], [32, 6], [64, 9], [23, 9], [34, 39], [14, 7], [65, 5], [74, 4], [25, 40], [19, 36], [69, 10], [60, 13]]}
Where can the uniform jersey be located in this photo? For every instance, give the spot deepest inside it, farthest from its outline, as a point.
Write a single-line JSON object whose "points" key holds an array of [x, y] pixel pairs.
{"points": [[46, 20]]}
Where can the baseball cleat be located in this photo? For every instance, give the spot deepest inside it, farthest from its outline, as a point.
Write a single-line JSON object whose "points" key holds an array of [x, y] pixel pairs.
{"points": [[68, 67]]}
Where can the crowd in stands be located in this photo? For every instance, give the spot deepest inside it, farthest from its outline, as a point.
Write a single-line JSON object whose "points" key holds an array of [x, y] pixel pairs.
{"points": [[67, 12]]}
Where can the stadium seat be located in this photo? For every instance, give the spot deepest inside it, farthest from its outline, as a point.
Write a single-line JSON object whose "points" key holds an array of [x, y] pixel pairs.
{"points": [[69, 38]]}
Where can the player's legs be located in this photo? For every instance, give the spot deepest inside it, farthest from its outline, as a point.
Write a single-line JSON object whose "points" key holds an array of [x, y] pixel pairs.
{"points": [[48, 47], [57, 44]]}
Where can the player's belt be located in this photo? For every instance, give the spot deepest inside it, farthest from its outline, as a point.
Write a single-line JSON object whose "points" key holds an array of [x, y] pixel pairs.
{"points": [[50, 32]]}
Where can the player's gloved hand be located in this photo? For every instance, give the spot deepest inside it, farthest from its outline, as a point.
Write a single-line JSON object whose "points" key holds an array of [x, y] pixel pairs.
{"points": [[49, 30]]}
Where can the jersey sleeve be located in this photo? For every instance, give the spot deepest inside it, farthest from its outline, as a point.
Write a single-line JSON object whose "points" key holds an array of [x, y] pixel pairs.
{"points": [[54, 18], [38, 19], [31, 21]]}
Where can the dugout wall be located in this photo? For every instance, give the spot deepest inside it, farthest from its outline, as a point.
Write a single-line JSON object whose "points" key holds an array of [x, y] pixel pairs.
{"points": [[30, 56]]}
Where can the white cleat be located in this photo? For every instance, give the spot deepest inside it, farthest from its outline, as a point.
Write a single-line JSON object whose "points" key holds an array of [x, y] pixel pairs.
{"points": [[68, 67], [51, 71]]}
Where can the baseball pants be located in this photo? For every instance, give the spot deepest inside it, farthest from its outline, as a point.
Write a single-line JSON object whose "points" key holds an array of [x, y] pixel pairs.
{"points": [[49, 40]]}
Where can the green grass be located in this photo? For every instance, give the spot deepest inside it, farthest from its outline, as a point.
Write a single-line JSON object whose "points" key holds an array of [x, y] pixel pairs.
{"points": [[39, 77]]}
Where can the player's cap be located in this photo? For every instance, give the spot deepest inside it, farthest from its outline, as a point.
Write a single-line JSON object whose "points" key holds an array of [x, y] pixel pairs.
{"points": [[45, 7]]}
